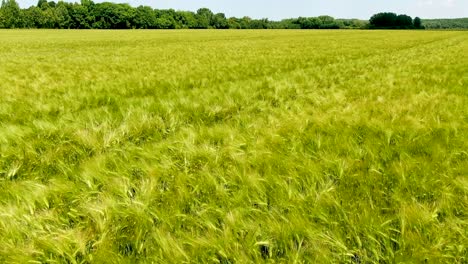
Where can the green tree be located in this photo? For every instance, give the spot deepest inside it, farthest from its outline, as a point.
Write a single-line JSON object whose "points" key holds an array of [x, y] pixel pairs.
{"points": [[417, 22], [63, 17], [81, 15], [204, 17], [234, 23], [284, 24], [42, 4], [186, 19], [51, 19], [259, 23], [351, 23], [145, 17], [113, 16], [219, 21], [454, 23], [309, 22], [404, 21], [33, 17], [2, 16], [11, 14], [165, 19], [328, 22], [383, 20], [245, 22]]}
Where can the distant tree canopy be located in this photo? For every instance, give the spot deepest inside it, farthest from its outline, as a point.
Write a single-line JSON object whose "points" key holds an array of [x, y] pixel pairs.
{"points": [[10, 14], [455, 23], [107, 15], [417, 23], [89, 15], [389, 20]]}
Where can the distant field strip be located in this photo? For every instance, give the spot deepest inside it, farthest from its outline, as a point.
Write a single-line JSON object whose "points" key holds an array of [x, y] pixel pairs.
{"points": [[233, 146]]}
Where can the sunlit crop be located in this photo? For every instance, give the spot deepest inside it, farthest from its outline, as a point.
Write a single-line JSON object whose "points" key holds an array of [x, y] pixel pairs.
{"points": [[233, 146]]}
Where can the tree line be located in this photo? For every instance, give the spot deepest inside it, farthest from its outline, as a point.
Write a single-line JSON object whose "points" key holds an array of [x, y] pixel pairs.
{"points": [[458, 23], [89, 15], [389, 20]]}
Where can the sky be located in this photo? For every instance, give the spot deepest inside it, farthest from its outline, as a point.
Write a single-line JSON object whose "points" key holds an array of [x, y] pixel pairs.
{"points": [[279, 9]]}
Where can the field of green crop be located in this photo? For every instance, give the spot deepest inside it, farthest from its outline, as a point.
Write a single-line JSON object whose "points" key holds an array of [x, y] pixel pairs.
{"points": [[233, 146]]}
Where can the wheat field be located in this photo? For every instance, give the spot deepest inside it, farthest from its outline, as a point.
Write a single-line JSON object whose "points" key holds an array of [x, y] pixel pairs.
{"points": [[233, 146]]}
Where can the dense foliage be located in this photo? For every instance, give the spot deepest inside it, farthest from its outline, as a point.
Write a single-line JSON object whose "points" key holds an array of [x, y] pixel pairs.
{"points": [[88, 14], [389, 20], [268, 146], [456, 23]]}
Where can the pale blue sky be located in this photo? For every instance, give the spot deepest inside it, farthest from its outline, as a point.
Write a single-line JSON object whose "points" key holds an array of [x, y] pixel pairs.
{"points": [[278, 9]]}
